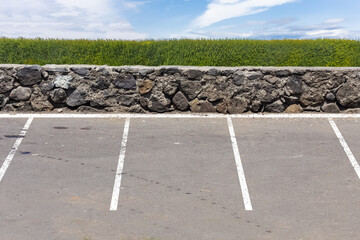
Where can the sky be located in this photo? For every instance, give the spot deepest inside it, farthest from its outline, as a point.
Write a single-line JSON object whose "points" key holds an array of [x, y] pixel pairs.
{"points": [[165, 19]]}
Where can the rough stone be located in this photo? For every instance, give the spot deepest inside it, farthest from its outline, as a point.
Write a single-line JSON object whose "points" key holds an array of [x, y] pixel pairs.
{"points": [[126, 100], [77, 98], [330, 108], [46, 86], [194, 74], [171, 87], [256, 106], [275, 107], [80, 71], [180, 102], [3, 100], [213, 72], [282, 73], [145, 86], [249, 74], [221, 107], [294, 85], [41, 103], [190, 88], [294, 108], [58, 95], [101, 84], [56, 70], [201, 106], [330, 97], [237, 105], [29, 75], [158, 102], [349, 94], [21, 93], [311, 98], [63, 81], [125, 81], [6, 83], [145, 72], [239, 80], [8, 108], [85, 109]]}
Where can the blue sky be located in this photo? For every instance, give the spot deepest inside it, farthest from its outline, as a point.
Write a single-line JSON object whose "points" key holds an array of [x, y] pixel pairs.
{"points": [[163, 19]]}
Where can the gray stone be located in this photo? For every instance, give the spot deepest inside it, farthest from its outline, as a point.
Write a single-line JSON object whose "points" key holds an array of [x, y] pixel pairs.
{"points": [[46, 86], [86, 109], [101, 83], [249, 74], [56, 70], [125, 81], [256, 106], [294, 85], [170, 88], [294, 108], [227, 72], [80, 71], [144, 72], [29, 75], [77, 98], [172, 70], [6, 83], [282, 73], [21, 93], [330, 97], [58, 95], [290, 100], [213, 72], [265, 97], [194, 74], [180, 102], [158, 102], [239, 80], [201, 106], [3, 100], [190, 88], [330, 108], [271, 79], [349, 95], [275, 107], [312, 98], [63, 81], [8, 108], [237, 105], [126, 100]]}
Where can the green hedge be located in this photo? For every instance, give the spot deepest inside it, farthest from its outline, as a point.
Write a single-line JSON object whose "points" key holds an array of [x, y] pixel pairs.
{"points": [[320, 52]]}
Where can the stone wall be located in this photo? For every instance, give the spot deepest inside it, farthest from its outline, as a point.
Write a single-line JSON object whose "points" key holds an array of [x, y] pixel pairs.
{"points": [[184, 89]]}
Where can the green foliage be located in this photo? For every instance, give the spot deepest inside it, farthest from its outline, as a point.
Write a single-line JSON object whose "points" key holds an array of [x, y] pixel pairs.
{"points": [[227, 52]]}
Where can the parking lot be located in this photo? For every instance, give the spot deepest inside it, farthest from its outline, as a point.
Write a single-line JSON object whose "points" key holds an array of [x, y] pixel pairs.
{"points": [[102, 177]]}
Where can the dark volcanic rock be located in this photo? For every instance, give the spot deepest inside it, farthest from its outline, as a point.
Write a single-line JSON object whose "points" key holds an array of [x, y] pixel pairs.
{"points": [[180, 102], [6, 83], [29, 75], [125, 81], [77, 98]]}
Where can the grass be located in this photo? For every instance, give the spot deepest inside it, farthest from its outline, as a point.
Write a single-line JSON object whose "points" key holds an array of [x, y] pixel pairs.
{"points": [[226, 52]]}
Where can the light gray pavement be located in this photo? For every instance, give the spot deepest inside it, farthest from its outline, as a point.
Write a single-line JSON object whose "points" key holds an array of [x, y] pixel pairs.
{"points": [[180, 180], [9, 131]]}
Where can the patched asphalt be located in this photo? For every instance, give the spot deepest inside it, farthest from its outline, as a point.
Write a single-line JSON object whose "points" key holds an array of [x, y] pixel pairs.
{"points": [[179, 179]]}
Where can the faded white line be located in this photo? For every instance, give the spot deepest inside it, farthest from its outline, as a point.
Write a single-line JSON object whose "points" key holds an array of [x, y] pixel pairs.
{"points": [[120, 167], [15, 147], [347, 150], [185, 115], [239, 166]]}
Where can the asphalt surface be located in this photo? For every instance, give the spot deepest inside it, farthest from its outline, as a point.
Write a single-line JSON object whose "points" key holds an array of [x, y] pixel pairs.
{"points": [[179, 179]]}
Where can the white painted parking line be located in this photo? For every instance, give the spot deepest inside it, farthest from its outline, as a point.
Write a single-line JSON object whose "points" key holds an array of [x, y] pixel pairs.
{"points": [[120, 167], [347, 150], [239, 166], [11, 155], [186, 115]]}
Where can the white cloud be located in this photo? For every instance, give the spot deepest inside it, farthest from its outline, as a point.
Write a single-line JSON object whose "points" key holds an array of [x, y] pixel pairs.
{"points": [[135, 5], [70, 19], [219, 10], [335, 20]]}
